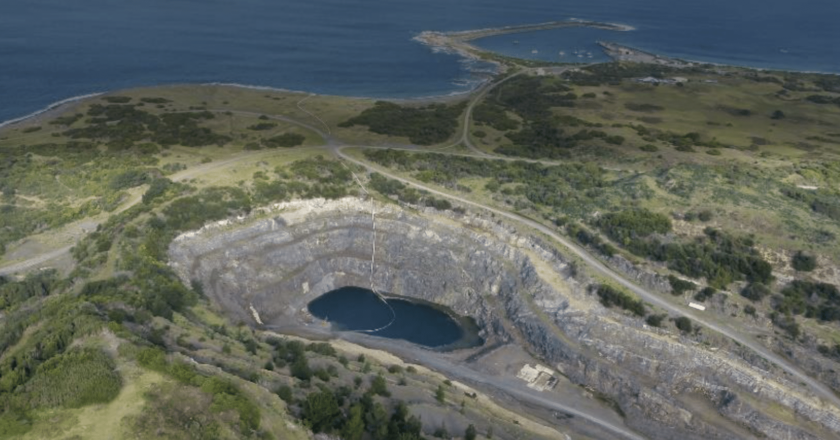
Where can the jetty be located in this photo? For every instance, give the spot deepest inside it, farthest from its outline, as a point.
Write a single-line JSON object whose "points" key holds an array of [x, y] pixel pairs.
{"points": [[490, 32], [459, 41]]}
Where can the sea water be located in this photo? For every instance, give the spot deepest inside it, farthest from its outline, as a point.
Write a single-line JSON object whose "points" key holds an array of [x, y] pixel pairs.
{"points": [[51, 50]]}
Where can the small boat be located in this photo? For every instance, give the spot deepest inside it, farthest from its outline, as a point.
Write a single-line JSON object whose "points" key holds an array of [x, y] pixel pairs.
{"points": [[535, 51], [515, 41]]}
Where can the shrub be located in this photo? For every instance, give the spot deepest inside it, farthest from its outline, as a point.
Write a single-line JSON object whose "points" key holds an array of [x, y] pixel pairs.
{"points": [[322, 348], [422, 125], [74, 379], [300, 369], [440, 394], [117, 99], [285, 140], [320, 411], [262, 126], [705, 294], [625, 226], [611, 296], [803, 262], [379, 386], [129, 179], [755, 291], [683, 324], [655, 320], [643, 108], [470, 433], [679, 286]]}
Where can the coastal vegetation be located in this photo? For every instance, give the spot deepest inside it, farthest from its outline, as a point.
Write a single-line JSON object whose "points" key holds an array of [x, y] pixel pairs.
{"points": [[425, 125], [613, 169]]}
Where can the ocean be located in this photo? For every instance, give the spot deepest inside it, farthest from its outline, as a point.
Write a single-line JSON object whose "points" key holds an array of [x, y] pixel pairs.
{"points": [[52, 50]]}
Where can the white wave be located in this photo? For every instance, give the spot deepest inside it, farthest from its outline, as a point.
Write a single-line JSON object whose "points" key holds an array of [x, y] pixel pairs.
{"points": [[255, 87], [48, 108]]}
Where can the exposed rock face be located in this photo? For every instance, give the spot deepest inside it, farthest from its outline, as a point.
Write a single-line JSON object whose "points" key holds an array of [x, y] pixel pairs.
{"points": [[669, 386]]}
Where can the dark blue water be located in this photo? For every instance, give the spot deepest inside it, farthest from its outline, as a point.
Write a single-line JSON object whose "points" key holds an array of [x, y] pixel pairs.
{"points": [[54, 49], [358, 309]]}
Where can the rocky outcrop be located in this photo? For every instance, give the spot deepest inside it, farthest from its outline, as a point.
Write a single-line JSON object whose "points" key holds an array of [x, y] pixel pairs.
{"points": [[283, 257]]}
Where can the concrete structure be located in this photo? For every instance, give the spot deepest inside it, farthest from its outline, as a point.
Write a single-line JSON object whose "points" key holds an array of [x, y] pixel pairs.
{"points": [[694, 305], [539, 377]]}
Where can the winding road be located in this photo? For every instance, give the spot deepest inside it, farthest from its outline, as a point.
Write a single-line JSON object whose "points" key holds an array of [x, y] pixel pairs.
{"points": [[338, 148]]}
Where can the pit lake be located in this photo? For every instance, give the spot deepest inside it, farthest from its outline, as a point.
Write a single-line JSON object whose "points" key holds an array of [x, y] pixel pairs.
{"points": [[358, 309]]}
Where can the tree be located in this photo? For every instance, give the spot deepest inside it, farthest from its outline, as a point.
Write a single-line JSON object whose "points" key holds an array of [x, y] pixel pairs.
{"points": [[376, 421], [803, 262], [778, 114], [379, 386], [471, 433], [440, 394], [684, 324], [354, 428], [300, 368], [320, 410], [755, 291]]}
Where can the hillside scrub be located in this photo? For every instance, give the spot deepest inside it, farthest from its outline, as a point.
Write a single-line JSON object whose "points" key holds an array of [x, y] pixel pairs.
{"points": [[421, 125]]}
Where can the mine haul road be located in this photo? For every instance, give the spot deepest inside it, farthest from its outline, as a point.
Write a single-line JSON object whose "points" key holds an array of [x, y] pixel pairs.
{"points": [[464, 138], [596, 264], [337, 148]]}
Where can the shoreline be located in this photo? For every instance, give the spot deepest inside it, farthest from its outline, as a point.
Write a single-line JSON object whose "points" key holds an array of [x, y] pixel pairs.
{"points": [[52, 107], [64, 104], [452, 42]]}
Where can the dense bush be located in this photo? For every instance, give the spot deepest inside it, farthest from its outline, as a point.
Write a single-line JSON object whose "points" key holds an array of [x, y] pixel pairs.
{"points": [[718, 256], [643, 107], [611, 296], [421, 125], [822, 202], [755, 291], [812, 299], [157, 189], [655, 320], [683, 324], [705, 293], [129, 179], [569, 186], [627, 226], [76, 378], [285, 140], [587, 238], [679, 286], [262, 126], [121, 126], [803, 262], [36, 284], [488, 113]]}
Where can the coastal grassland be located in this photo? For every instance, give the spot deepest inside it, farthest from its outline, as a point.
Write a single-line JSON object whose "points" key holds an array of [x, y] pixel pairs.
{"points": [[184, 370], [732, 114], [727, 219], [321, 112], [97, 157], [757, 146]]}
